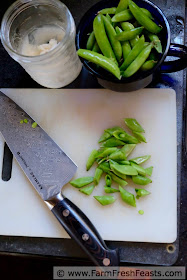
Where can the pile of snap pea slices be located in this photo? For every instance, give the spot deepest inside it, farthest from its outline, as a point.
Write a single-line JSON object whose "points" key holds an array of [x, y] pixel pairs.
{"points": [[118, 43], [116, 146]]}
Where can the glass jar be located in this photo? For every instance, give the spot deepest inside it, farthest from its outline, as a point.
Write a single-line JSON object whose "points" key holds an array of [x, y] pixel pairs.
{"points": [[40, 35]]}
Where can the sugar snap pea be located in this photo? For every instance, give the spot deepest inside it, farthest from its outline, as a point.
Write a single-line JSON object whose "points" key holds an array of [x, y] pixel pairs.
{"points": [[148, 65], [138, 62], [139, 160], [141, 192], [123, 5], [127, 197], [116, 46], [87, 190], [108, 180], [105, 166], [110, 190], [105, 199], [129, 35], [100, 60], [143, 19], [97, 175], [117, 155], [96, 48], [112, 142], [156, 41], [128, 26], [133, 125], [112, 166], [122, 16], [124, 162], [134, 53], [125, 137], [140, 169], [123, 169], [91, 159], [139, 136], [102, 39], [127, 149], [106, 135], [91, 41], [126, 48], [104, 152], [149, 170], [109, 18], [140, 180], [153, 55], [113, 129], [110, 11], [147, 13], [81, 182], [118, 180]]}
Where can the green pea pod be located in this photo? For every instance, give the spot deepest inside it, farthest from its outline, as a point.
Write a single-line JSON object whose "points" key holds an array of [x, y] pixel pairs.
{"points": [[124, 162], [118, 155], [109, 18], [105, 199], [104, 137], [147, 13], [97, 176], [122, 16], [91, 41], [156, 41], [116, 46], [129, 35], [124, 169], [140, 137], [112, 166], [112, 142], [133, 125], [141, 192], [104, 152], [127, 138], [105, 166], [110, 190], [140, 180], [127, 197], [138, 62], [126, 48], [99, 161], [123, 5], [102, 39], [81, 182], [148, 65], [143, 19], [112, 129], [110, 11], [96, 48], [108, 180], [134, 53], [141, 170], [91, 159], [140, 160], [127, 149], [87, 190], [118, 180], [128, 26], [100, 60], [149, 170]]}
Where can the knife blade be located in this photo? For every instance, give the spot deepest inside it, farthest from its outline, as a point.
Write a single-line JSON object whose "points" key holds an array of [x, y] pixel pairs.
{"points": [[49, 168]]}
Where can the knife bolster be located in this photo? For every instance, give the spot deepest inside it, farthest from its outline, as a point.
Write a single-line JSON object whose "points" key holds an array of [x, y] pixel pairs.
{"points": [[54, 200]]}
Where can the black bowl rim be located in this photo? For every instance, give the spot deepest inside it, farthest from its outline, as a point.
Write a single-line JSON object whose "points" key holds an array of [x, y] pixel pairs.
{"points": [[131, 79]]}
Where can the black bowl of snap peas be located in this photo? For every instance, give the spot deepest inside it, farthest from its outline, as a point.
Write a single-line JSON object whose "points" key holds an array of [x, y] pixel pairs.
{"points": [[124, 44]]}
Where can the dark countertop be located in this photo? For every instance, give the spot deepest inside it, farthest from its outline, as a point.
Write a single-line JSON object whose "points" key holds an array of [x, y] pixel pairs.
{"points": [[12, 75]]}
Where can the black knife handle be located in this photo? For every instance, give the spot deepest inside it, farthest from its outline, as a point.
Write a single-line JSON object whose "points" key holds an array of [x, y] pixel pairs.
{"points": [[80, 228]]}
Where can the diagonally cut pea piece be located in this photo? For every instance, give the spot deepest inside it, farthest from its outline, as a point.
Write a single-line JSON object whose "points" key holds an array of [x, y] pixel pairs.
{"points": [[149, 170], [122, 176], [106, 135], [140, 180], [97, 176], [127, 197], [81, 182], [118, 155], [112, 142], [140, 137], [141, 192], [140, 160], [108, 180], [104, 152], [133, 125], [123, 169], [91, 159], [125, 137], [105, 199], [140, 169], [110, 190], [105, 166], [116, 179], [127, 149], [87, 190], [124, 162], [113, 129]]}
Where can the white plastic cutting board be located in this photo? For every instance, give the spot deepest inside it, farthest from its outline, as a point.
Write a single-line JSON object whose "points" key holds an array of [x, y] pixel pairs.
{"points": [[75, 119]]}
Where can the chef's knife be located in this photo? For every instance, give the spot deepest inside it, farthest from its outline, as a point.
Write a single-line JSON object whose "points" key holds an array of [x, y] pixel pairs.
{"points": [[48, 168]]}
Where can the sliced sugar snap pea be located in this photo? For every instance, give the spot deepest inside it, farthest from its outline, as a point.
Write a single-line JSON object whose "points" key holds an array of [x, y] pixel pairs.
{"points": [[91, 159], [97, 175], [110, 11], [91, 41], [149, 170], [110, 190], [87, 190], [124, 169], [139, 136], [127, 149], [104, 152], [125, 137], [122, 16], [81, 182], [105, 166], [118, 180], [141, 192], [124, 162], [105, 199], [140, 160], [113, 129], [118, 155], [129, 35], [123, 5], [122, 176], [140, 180], [106, 135], [127, 197], [140, 169], [108, 180], [99, 59], [112, 142], [134, 125]]}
